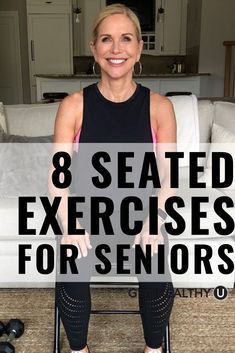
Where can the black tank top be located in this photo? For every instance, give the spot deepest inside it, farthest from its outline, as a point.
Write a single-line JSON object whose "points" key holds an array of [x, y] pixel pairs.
{"points": [[105, 121]]}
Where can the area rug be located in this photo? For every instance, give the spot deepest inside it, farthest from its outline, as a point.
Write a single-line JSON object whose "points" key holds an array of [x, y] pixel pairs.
{"points": [[199, 321]]}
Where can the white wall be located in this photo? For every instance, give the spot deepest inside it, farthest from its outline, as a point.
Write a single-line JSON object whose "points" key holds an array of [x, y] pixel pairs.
{"points": [[20, 6], [217, 25]]}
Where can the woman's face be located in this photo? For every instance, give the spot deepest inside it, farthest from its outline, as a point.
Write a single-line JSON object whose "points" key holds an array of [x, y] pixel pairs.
{"points": [[117, 48]]}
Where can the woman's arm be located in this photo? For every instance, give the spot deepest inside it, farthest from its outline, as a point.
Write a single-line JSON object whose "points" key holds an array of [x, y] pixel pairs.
{"points": [[64, 132], [164, 125], [68, 122]]}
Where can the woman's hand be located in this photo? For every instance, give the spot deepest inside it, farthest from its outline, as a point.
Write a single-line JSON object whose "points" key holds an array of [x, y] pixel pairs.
{"points": [[82, 242], [144, 238]]}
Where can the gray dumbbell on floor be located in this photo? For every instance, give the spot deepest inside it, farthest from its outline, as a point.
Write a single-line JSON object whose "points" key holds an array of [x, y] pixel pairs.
{"points": [[2, 328], [14, 329]]}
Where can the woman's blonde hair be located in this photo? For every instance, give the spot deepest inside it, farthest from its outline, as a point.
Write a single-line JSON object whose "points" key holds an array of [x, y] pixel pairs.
{"points": [[114, 10]]}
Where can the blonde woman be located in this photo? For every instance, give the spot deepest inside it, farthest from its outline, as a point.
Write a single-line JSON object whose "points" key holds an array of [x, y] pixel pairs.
{"points": [[116, 109]]}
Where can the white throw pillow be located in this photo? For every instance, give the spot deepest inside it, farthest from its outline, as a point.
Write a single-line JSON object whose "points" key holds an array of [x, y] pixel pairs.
{"points": [[225, 112], [31, 119], [222, 140], [3, 124]]}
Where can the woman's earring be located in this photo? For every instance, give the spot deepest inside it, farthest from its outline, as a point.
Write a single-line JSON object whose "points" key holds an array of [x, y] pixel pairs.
{"points": [[140, 69], [93, 68]]}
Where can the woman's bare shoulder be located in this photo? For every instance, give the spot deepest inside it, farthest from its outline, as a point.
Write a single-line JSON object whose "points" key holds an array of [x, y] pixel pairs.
{"points": [[71, 102], [70, 108], [69, 117], [160, 100], [160, 105], [163, 117]]}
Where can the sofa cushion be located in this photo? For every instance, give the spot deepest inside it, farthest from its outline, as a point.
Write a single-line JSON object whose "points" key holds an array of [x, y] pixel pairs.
{"points": [[24, 170], [192, 280], [9, 217], [222, 140], [205, 116], [186, 194], [3, 125], [31, 119], [205, 113], [8, 138], [224, 114]]}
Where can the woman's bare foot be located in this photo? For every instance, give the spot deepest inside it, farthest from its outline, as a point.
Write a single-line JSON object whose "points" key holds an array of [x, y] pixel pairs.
{"points": [[152, 350], [84, 350]]}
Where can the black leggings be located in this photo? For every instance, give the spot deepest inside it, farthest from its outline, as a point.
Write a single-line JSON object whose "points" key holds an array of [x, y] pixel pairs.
{"points": [[74, 303]]}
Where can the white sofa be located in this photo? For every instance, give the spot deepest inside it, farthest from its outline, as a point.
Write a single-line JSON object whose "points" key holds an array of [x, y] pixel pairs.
{"points": [[22, 120], [38, 120]]}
